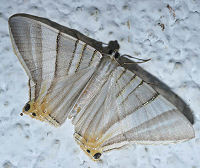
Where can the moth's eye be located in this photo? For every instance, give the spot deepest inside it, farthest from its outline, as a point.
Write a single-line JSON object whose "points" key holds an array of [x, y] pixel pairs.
{"points": [[34, 114], [97, 155], [88, 151], [27, 107]]}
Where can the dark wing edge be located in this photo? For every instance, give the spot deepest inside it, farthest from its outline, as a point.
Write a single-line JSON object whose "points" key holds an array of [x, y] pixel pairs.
{"points": [[72, 32], [159, 86], [111, 46]]}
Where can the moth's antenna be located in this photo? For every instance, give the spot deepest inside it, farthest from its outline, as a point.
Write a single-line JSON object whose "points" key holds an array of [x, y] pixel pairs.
{"points": [[141, 60]]}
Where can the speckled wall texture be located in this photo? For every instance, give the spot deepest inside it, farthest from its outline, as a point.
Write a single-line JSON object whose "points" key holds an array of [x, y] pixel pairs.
{"points": [[165, 31]]}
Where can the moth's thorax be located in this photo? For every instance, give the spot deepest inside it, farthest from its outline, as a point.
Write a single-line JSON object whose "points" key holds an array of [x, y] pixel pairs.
{"points": [[91, 147]]}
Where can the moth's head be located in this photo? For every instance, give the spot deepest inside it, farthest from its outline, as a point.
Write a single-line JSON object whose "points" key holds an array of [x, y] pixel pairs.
{"points": [[91, 149], [31, 109]]}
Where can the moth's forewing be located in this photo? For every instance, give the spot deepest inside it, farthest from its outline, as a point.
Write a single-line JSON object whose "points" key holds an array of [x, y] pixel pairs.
{"points": [[130, 111], [48, 53], [159, 86]]}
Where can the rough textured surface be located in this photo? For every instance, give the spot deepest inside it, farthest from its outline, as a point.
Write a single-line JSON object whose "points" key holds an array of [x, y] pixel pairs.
{"points": [[166, 32]]}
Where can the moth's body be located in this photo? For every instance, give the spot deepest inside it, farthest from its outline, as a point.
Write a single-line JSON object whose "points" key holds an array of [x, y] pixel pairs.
{"points": [[109, 105]]}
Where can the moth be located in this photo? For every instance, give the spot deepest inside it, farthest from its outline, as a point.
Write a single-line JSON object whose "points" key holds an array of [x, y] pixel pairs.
{"points": [[109, 103]]}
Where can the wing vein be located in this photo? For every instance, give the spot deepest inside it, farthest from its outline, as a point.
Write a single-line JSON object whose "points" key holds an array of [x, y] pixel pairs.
{"points": [[139, 85], [81, 57], [57, 51], [92, 58], [72, 57], [127, 85], [122, 73]]}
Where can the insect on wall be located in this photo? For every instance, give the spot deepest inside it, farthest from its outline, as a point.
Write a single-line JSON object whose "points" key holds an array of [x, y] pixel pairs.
{"points": [[110, 103]]}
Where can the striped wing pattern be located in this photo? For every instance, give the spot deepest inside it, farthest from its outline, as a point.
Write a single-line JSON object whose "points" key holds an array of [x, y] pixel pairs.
{"points": [[57, 64], [127, 109], [144, 116], [110, 106]]}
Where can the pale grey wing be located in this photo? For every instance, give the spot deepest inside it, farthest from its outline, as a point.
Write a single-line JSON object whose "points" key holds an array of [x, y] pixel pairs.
{"points": [[159, 86], [48, 55], [127, 110], [144, 116], [94, 122], [87, 122], [90, 106]]}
